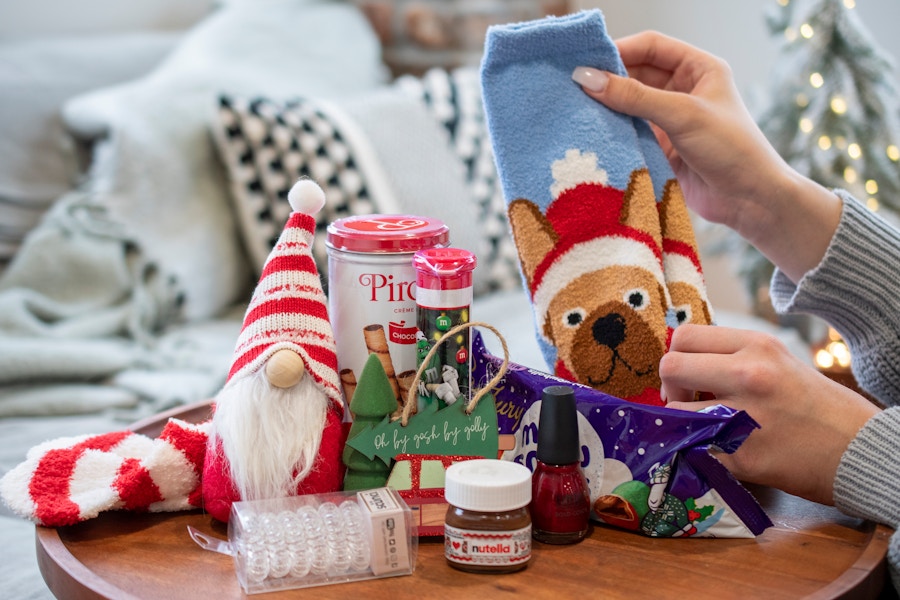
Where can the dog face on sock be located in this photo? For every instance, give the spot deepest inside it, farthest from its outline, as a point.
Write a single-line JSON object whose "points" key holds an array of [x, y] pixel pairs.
{"points": [[606, 327], [593, 265]]}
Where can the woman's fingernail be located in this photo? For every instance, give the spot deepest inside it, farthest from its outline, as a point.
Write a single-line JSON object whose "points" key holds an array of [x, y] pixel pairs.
{"points": [[590, 79]]}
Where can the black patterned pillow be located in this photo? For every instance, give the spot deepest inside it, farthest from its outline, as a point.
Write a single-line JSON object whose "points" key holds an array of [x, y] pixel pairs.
{"points": [[266, 147]]}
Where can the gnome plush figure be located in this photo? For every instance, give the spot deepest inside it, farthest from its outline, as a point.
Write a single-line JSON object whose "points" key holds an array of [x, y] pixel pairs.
{"points": [[277, 427]]}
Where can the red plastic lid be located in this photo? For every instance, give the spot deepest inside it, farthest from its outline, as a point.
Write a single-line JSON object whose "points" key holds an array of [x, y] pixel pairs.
{"points": [[444, 268], [387, 233]]}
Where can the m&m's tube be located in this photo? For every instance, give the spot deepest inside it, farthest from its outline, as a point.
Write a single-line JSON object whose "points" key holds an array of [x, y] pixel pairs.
{"points": [[443, 300]]}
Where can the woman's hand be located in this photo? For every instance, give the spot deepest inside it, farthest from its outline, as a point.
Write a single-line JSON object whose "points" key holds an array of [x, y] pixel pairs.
{"points": [[729, 172], [806, 419]]}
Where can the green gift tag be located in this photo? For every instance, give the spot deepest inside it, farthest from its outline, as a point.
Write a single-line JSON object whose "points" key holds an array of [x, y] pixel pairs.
{"points": [[448, 431]]}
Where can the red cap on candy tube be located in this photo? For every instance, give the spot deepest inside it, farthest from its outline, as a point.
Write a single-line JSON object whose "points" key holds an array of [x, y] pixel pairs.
{"points": [[444, 268]]}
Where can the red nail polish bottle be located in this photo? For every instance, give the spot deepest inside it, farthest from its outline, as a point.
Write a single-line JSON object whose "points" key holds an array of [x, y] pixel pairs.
{"points": [[560, 501]]}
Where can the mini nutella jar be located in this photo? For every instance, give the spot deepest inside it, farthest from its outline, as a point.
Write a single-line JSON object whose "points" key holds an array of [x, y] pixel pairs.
{"points": [[487, 528], [372, 292]]}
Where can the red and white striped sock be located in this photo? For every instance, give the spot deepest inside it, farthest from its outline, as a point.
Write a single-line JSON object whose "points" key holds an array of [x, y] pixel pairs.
{"points": [[68, 480]]}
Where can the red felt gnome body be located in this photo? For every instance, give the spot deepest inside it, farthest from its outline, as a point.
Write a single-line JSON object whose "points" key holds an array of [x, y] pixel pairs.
{"points": [[277, 427]]}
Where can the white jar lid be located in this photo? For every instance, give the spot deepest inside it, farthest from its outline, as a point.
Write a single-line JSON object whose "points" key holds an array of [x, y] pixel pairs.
{"points": [[487, 485]]}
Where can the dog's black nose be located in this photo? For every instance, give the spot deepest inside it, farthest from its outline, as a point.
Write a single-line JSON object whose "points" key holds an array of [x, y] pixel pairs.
{"points": [[609, 330]]}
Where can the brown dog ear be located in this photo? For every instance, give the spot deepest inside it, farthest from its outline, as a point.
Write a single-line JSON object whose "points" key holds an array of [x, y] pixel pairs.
{"points": [[533, 235], [674, 217], [639, 208]]}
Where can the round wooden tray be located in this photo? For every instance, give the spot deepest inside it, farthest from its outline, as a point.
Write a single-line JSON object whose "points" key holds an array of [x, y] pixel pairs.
{"points": [[812, 551]]}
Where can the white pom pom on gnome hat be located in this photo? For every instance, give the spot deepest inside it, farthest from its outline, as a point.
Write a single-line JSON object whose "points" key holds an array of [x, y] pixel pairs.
{"points": [[306, 197]]}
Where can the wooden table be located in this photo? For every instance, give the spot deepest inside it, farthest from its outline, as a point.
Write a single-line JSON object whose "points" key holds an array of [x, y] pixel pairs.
{"points": [[812, 550]]}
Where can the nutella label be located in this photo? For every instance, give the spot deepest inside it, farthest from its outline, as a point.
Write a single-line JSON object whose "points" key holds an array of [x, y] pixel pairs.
{"points": [[487, 548]]}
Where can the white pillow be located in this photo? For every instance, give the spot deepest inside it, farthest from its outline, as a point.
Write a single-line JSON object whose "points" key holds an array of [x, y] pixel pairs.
{"points": [[155, 170], [38, 158]]}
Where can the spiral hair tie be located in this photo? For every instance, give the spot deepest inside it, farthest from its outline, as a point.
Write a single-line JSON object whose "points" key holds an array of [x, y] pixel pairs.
{"points": [[328, 540]]}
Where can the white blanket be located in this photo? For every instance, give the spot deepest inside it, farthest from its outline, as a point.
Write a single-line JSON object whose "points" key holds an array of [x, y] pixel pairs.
{"points": [[151, 241]]}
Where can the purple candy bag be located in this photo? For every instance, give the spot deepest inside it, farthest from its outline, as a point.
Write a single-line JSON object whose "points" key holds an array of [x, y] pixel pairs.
{"points": [[648, 468]]}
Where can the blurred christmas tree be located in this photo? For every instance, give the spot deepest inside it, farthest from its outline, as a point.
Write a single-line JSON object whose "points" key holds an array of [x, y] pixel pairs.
{"points": [[834, 113]]}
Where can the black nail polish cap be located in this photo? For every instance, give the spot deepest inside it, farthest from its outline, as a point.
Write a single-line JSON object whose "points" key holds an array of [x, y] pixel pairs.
{"points": [[558, 442]]}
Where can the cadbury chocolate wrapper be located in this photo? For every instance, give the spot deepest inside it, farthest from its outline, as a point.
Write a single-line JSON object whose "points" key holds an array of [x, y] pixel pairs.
{"points": [[648, 468]]}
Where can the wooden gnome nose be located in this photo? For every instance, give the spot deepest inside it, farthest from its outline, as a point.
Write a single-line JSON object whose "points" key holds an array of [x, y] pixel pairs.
{"points": [[285, 369]]}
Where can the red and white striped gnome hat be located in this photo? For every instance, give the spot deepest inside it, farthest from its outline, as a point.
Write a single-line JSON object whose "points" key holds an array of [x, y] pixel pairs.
{"points": [[288, 308]]}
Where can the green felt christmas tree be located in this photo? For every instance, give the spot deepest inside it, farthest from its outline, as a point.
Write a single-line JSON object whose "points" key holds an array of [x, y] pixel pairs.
{"points": [[372, 402]]}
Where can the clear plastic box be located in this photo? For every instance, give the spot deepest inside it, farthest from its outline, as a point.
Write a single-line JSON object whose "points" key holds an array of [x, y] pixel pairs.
{"points": [[318, 539]]}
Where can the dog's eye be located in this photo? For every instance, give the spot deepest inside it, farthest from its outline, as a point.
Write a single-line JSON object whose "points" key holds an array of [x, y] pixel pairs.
{"points": [[574, 317], [637, 298], [683, 314]]}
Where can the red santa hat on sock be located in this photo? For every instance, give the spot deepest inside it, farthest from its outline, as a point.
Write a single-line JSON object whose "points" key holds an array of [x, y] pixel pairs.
{"points": [[681, 259], [682, 265], [581, 188], [288, 308]]}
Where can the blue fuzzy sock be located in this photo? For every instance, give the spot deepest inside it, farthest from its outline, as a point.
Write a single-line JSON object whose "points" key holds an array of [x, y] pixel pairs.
{"points": [[581, 205], [681, 255], [534, 108]]}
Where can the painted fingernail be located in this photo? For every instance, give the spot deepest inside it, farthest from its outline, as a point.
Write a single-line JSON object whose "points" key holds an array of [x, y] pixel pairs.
{"points": [[590, 79]]}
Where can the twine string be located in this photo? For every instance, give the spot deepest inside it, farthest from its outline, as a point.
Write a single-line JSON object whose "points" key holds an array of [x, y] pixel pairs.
{"points": [[413, 392]]}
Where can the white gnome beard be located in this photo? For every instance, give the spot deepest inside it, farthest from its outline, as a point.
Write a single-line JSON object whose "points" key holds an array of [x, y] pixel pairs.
{"points": [[270, 436]]}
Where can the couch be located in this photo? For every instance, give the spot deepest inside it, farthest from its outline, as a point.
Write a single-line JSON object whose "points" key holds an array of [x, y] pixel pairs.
{"points": [[142, 184]]}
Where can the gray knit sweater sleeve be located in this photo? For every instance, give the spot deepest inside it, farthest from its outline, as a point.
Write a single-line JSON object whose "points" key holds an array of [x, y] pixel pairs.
{"points": [[856, 288]]}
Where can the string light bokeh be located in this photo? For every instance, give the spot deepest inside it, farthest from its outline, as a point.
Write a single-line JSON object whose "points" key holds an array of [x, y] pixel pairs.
{"points": [[850, 167]]}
